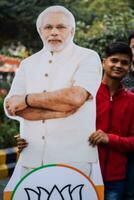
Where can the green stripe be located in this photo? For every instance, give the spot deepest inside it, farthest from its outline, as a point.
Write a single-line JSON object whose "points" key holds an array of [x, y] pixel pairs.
{"points": [[36, 169]]}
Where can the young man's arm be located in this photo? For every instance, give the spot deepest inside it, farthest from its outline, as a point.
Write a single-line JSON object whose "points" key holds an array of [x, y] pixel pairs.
{"points": [[98, 137], [21, 143], [116, 142]]}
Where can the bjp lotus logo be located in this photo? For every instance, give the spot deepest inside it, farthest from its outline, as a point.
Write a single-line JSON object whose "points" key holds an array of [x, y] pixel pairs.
{"points": [[55, 182], [66, 193]]}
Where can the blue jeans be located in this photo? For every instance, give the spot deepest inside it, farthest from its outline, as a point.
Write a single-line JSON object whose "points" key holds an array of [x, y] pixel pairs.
{"points": [[114, 190]]}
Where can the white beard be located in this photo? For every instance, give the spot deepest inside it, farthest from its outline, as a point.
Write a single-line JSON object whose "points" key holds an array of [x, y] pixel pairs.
{"points": [[56, 48]]}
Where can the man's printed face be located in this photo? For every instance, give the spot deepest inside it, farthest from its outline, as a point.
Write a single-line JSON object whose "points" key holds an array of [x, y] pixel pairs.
{"points": [[116, 66], [56, 31]]}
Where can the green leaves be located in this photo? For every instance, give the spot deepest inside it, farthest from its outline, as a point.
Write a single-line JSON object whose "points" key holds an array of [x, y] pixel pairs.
{"points": [[8, 128]]}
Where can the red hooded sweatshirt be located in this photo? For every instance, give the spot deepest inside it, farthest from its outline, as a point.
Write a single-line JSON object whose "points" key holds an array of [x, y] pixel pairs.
{"points": [[115, 116]]}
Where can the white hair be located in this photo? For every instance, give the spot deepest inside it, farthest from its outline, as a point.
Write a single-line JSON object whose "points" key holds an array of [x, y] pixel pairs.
{"points": [[55, 9]]}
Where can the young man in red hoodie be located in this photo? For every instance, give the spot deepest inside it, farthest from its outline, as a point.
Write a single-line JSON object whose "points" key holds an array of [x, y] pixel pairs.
{"points": [[115, 120]]}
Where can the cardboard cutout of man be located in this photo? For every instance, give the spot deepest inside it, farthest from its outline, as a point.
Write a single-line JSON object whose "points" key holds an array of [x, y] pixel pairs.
{"points": [[53, 95]]}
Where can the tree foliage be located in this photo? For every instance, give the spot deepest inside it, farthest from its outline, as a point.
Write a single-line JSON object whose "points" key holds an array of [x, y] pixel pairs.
{"points": [[113, 20], [8, 128]]}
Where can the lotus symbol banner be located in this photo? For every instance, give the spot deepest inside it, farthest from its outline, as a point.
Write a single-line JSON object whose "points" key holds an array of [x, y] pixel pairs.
{"points": [[55, 193], [55, 182]]}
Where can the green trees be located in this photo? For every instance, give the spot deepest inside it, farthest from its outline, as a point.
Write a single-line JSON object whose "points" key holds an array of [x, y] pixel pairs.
{"points": [[8, 128], [112, 20]]}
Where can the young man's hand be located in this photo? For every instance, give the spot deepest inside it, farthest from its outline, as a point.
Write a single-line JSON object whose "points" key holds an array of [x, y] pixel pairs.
{"points": [[98, 137], [21, 143]]}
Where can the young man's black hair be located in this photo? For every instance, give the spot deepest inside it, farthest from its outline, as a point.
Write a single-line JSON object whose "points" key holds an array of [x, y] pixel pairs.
{"points": [[118, 47]]}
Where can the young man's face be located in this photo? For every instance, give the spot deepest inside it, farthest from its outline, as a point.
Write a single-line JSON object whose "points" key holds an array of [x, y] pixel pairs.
{"points": [[56, 31], [116, 66]]}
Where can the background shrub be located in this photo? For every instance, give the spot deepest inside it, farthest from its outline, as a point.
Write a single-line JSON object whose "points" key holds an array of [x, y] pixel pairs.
{"points": [[8, 128]]}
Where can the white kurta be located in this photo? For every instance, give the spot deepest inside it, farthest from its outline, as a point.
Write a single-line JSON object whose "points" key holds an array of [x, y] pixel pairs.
{"points": [[63, 140]]}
